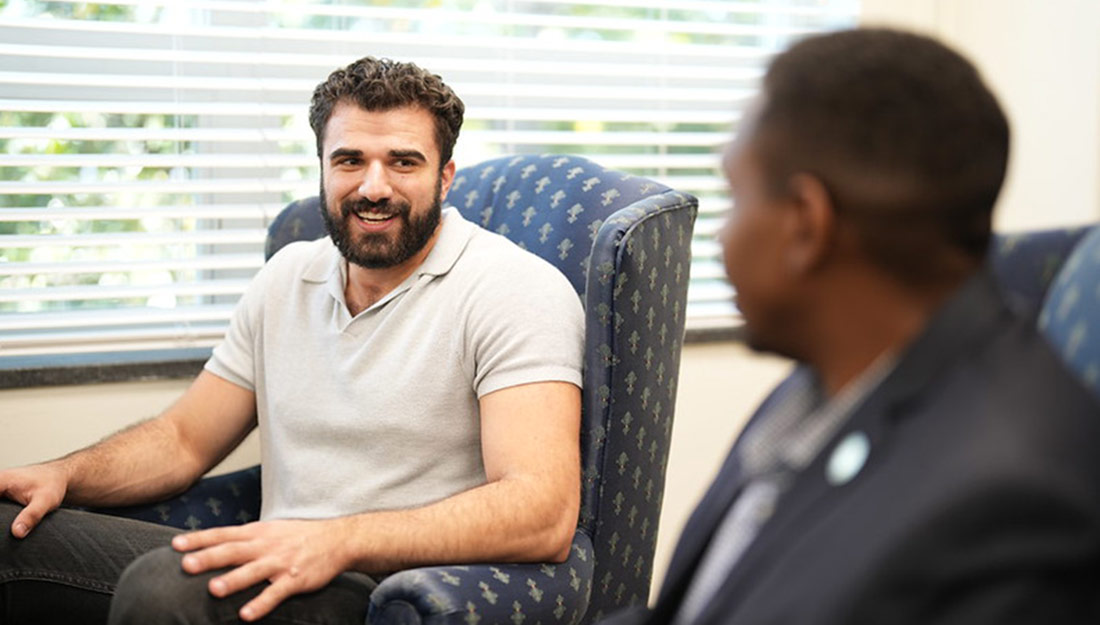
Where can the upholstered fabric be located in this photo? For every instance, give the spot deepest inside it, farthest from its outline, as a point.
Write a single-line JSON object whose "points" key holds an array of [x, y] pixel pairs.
{"points": [[1025, 263], [624, 243], [229, 499], [299, 221], [1070, 317], [483, 594]]}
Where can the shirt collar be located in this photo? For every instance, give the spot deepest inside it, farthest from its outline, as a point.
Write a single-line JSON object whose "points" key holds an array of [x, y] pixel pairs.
{"points": [[798, 427], [453, 237]]}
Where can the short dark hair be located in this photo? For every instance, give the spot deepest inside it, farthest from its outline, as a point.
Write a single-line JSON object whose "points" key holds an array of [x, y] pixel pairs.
{"points": [[902, 131], [383, 84]]}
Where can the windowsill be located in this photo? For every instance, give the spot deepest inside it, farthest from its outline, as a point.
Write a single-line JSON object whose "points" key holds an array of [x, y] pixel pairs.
{"points": [[721, 328], [717, 333], [167, 365], [101, 368]]}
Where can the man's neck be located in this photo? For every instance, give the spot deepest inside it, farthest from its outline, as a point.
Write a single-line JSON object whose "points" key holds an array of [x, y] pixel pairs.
{"points": [[867, 321]]}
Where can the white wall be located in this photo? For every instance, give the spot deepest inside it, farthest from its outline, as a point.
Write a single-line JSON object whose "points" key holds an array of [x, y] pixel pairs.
{"points": [[1042, 59], [41, 423]]}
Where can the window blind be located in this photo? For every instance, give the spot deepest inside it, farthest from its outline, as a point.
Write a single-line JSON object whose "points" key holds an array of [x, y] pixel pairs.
{"points": [[147, 144]]}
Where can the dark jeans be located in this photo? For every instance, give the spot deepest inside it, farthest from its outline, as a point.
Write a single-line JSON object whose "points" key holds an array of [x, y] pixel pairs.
{"points": [[72, 564]]}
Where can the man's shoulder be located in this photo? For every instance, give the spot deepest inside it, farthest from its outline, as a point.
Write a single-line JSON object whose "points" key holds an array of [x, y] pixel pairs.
{"points": [[1020, 367], [981, 352], [1011, 409]]}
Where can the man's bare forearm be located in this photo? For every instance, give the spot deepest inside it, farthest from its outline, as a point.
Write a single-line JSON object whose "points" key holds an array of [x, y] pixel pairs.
{"points": [[163, 456], [510, 520], [138, 464], [150, 460]]}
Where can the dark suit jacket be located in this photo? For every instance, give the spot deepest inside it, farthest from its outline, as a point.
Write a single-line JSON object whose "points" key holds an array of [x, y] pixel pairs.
{"points": [[978, 503]]}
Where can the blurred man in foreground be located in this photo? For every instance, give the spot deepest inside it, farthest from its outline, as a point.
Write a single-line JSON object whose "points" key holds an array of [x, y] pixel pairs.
{"points": [[930, 460]]}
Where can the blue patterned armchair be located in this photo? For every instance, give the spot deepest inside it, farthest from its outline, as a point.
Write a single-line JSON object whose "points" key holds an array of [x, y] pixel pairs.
{"points": [[624, 242], [1056, 275]]}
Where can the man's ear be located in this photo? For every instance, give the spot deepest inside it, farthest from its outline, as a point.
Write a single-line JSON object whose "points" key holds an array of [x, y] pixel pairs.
{"points": [[813, 223], [446, 177]]}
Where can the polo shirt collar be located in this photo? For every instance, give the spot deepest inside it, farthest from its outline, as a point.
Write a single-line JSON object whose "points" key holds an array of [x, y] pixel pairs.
{"points": [[454, 234], [453, 237]]}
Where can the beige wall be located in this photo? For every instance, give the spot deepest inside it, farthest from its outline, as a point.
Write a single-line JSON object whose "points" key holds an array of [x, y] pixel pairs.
{"points": [[41, 423], [1042, 59]]}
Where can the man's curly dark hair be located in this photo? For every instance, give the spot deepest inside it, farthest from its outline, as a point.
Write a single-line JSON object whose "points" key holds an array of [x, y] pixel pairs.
{"points": [[382, 85]]}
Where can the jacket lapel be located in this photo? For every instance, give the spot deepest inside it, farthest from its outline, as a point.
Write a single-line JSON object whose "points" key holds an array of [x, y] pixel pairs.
{"points": [[964, 324]]}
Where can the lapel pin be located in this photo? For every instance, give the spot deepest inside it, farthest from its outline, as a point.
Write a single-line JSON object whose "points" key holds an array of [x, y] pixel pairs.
{"points": [[848, 458]]}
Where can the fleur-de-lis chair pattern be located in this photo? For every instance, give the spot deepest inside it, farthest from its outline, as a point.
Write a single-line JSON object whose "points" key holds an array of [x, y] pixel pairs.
{"points": [[1056, 274], [624, 242]]}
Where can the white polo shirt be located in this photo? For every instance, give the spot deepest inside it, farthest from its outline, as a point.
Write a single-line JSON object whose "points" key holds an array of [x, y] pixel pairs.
{"points": [[380, 411]]}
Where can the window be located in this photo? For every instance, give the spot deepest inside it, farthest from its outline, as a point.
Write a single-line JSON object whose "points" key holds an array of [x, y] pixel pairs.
{"points": [[147, 144]]}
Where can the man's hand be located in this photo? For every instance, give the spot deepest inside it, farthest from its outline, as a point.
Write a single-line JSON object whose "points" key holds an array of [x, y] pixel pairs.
{"points": [[295, 556], [39, 488]]}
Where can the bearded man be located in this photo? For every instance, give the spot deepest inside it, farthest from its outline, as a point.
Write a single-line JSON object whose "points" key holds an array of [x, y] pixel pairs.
{"points": [[416, 385]]}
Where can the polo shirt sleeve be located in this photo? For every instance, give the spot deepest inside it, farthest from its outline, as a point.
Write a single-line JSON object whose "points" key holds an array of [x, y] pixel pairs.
{"points": [[528, 327], [235, 357]]}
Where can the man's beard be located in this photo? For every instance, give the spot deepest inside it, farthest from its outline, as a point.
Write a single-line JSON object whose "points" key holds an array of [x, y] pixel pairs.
{"points": [[381, 250]]}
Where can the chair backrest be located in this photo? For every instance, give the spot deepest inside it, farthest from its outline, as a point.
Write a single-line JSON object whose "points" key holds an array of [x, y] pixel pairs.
{"points": [[624, 242], [1056, 274], [1070, 316], [1026, 263]]}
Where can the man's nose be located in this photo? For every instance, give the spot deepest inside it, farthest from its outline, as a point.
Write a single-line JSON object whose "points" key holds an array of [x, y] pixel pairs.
{"points": [[375, 185]]}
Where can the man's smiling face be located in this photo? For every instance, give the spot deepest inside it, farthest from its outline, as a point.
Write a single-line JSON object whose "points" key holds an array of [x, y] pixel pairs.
{"points": [[382, 184]]}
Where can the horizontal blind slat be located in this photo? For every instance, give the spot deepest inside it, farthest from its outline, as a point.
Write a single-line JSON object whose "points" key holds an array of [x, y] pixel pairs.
{"points": [[133, 239], [265, 85], [452, 18], [473, 114], [456, 43], [153, 186], [103, 319], [220, 261], [707, 6], [101, 291], [235, 161], [264, 62], [264, 212]]}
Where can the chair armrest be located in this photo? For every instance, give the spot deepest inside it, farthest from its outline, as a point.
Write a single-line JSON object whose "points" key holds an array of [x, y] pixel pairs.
{"points": [[488, 594], [229, 499]]}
